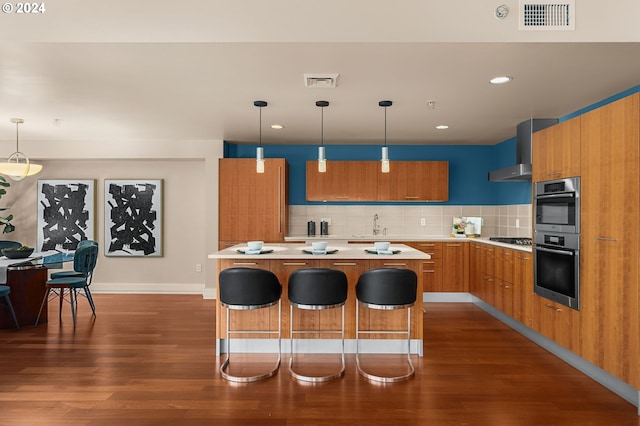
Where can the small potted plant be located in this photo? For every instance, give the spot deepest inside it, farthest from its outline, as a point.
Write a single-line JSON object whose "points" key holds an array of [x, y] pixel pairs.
{"points": [[5, 221]]}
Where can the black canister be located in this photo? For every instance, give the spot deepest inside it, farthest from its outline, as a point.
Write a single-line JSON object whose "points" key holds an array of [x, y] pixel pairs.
{"points": [[324, 228], [311, 228]]}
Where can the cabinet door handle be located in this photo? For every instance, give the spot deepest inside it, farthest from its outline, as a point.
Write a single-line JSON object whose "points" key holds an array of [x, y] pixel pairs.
{"points": [[606, 239], [294, 263], [553, 174], [344, 264], [454, 245], [412, 197], [394, 264], [245, 263], [341, 197], [553, 307]]}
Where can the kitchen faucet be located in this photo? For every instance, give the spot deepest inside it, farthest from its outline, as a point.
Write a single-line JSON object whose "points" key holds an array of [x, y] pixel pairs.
{"points": [[376, 227]]}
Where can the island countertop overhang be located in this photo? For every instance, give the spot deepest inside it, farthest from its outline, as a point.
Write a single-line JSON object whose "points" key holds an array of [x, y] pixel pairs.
{"points": [[345, 251]]}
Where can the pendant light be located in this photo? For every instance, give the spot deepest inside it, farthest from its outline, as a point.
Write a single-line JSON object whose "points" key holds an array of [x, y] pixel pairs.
{"points": [[259, 150], [322, 160], [18, 166], [385, 151]]}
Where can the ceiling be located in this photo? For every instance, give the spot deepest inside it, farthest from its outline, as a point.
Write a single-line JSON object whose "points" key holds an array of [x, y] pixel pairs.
{"points": [[159, 90]]}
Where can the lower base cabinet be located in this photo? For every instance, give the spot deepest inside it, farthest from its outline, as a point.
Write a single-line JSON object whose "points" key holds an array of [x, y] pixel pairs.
{"points": [[558, 323]]}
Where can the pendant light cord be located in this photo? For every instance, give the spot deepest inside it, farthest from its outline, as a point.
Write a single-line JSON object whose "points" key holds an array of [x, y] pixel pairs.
{"points": [[322, 126], [385, 126], [260, 130]]}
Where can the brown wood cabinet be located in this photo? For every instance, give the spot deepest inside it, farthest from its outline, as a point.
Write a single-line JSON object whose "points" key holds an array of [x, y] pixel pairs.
{"points": [[363, 181], [455, 269], [252, 206], [523, 287], [556, 151], [343, 181], [415, 181], [610, 238], [431, 268], [557, 322]]}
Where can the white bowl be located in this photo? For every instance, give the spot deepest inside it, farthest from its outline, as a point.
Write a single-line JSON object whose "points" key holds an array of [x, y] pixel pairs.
{"points": [[319, 245], [382, 245], [254, 245]]}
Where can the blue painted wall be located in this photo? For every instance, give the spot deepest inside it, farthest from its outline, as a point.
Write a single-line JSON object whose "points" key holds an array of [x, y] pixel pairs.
{"points": [[468, 168], [468, 164]]}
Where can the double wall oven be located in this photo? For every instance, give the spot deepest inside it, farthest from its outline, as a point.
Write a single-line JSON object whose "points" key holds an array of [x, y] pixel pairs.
{"points": [[556, 207]]}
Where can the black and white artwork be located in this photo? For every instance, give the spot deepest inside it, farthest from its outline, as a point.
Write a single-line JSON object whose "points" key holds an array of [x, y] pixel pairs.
{"points": [[65, 213], [133, 217]]}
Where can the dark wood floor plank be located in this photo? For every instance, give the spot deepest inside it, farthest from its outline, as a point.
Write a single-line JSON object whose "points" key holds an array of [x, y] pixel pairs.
{"points": [[149, 360]]}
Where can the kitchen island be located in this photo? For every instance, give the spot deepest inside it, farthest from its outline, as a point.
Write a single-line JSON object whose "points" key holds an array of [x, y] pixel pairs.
{"points": [[353, 260]]}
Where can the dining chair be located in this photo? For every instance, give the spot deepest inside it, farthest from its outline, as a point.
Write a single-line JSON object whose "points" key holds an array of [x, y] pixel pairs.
{"points": [[74, 273], [4, 293], [84, 261]]}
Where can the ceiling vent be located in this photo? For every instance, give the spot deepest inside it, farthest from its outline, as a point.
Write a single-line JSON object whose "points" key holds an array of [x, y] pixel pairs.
{"points": [[321, 81], [542, 16]]}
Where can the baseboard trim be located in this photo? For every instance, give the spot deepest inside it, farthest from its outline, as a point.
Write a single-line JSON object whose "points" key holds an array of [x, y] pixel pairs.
{"points": [[615, 385], [148, 288]]}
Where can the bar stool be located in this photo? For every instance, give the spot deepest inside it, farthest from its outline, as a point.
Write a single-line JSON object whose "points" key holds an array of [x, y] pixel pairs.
{"points": [[4, 292], [243, 289], [386, 289], [316, 289]]}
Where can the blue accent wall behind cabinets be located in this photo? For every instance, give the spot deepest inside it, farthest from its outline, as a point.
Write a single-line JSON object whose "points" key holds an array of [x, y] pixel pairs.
{"points": [[468, 168]]}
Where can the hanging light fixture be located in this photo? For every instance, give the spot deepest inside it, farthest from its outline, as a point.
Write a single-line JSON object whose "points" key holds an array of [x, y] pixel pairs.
{"points": [[18, 166], [322, 160], [385, 151], [260, 150]]}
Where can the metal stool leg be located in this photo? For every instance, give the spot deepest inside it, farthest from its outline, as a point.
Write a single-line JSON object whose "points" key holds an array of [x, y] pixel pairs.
{"points": [[314, 379], [245, 379], [384, 379]]}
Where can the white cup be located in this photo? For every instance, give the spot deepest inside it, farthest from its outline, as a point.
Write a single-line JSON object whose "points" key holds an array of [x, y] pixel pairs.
{"points": [[382, 245], [254, 245], [319, 245]]}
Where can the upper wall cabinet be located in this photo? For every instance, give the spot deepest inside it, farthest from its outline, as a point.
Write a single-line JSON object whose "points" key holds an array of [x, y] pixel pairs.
{"points": [[343, 181], [415, 181], [363, 181], [252, 206], [556, 151]]}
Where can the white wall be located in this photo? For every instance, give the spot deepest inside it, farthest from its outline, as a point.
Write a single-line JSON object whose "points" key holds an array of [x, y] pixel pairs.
{"points": [[190, 222]]}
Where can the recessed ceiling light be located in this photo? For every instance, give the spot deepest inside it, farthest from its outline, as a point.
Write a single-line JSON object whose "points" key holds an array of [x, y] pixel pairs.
{"points": [[442, 127], [500, 79], [277, 126]]}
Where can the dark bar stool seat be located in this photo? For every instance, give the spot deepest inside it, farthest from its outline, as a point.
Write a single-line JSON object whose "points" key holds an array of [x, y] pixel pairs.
{"points": [[386, 289], [316, 289], [244, 289]]}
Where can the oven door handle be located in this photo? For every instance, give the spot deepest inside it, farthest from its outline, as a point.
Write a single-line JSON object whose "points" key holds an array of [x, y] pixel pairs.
{"points": [[559, 195], [563, 252]]}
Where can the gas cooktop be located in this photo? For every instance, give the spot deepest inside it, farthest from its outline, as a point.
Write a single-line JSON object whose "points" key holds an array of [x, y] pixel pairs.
{"points": [[520, 241]]}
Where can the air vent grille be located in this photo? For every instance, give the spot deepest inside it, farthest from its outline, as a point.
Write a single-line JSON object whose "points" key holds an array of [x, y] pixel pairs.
{"points": [[547, 16]]}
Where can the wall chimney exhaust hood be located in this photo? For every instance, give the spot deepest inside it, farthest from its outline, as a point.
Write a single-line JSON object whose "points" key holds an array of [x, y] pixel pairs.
{"points": [[521, 171]]}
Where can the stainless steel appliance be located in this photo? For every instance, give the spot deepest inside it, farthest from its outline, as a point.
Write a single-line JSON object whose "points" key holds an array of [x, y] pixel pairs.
{"points": [[556, 205], [519, 241], [556, 266]]}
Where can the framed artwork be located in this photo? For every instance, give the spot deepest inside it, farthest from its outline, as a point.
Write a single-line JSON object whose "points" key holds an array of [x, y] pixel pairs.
{"points": [[66, 213], [133, 217]]}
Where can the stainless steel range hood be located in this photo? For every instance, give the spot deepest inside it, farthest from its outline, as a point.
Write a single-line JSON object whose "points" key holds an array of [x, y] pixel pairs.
{"points": [[521, 171]]}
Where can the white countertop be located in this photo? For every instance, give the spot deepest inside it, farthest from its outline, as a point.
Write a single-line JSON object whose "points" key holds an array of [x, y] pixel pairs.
{"points": [[345, 251], [403, 238]]}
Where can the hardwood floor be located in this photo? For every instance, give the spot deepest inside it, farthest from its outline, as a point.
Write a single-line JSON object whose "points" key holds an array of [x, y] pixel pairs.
{"points": [[149, 360]]}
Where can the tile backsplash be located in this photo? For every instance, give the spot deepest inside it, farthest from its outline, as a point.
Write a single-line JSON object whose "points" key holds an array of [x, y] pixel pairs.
{"points": [[397, 220]]}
